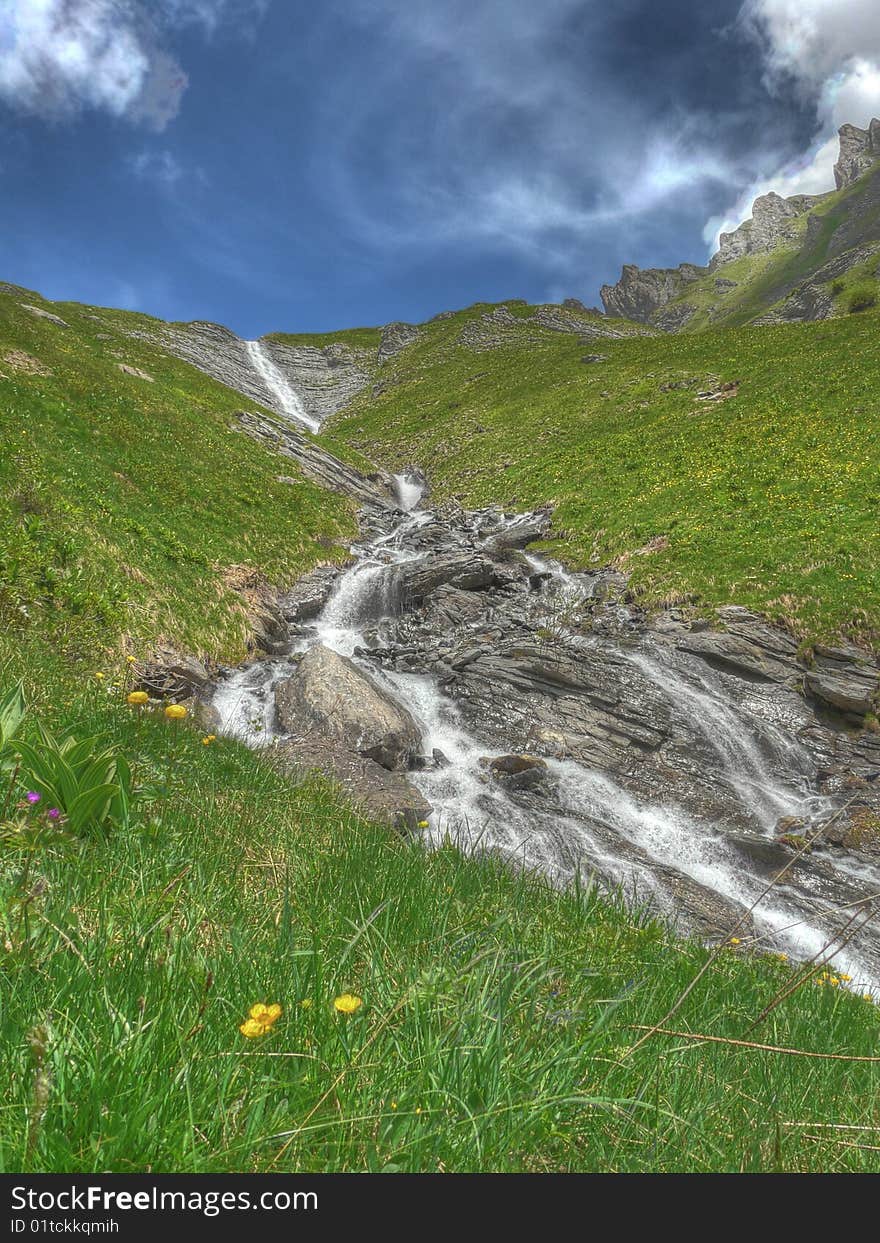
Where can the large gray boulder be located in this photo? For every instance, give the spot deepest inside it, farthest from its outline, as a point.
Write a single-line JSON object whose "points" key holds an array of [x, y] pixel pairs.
{"points": [[330, 694]]}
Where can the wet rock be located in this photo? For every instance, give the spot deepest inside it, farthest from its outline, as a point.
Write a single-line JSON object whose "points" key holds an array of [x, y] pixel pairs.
{"points": [[518, 772], [519, 533], [466, 570], [335, 696], [845, 679], [269, 629], [308, 596]]}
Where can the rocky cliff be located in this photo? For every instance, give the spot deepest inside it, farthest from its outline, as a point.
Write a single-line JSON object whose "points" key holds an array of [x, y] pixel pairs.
{"points": [[802, 249], [859, 148], [641, 292]]}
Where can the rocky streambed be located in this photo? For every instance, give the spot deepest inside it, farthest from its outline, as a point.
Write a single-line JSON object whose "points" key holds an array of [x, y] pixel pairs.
{"points": [[456, 684]]}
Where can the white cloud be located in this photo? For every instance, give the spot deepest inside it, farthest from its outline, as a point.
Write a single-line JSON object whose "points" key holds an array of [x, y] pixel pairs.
{"points": [[62, 57], [828, 53]]}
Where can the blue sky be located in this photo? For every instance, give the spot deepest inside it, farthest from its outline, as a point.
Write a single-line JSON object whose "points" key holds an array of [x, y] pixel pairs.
{"points": [[282, 164]]}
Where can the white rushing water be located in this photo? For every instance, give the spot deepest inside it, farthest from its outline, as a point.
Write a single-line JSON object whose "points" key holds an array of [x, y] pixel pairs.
{"points": [[278, 385], [592, 825], [744, 753], [408, 491]]}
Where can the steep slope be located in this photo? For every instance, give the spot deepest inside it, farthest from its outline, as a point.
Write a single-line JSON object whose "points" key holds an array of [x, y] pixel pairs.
{"points": [[805, 257]]}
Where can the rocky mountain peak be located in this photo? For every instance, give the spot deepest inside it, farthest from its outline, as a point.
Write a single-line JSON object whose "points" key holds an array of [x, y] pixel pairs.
{"points": [[859, 148]]}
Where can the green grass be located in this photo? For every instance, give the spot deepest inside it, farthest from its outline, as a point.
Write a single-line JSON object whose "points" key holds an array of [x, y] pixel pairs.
{"points": [[497, 1014], [769, 499], [125, 502]]}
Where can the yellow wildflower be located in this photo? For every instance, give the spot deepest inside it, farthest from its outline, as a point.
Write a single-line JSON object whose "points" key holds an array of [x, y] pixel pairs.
{"points": [[423, 824], [208, 739], [734, 941], [137, 699], [348, 1003], [100, 676], [132, 660], [175, 712], [261, 1019], [782, 957]]}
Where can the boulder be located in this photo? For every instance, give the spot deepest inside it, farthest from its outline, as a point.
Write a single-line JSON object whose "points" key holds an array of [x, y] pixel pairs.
{"points": [[843, 678], [518, 772], [331, 694]]}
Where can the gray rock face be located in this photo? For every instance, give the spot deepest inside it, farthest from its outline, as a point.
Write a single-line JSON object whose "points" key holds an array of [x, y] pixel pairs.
{"points": [[814, 298], [774, 220], [315, 462], [41, 314], [845, 679], [331, 694], [325, 379], [859, 148], [496, 327], [396, 337], [640, 292]]}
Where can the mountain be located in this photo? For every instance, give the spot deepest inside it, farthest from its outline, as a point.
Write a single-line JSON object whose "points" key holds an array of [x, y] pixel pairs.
{"points": [[806, 257]]}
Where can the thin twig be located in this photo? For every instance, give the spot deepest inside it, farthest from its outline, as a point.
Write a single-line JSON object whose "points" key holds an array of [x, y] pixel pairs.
{"points": [[751, 1044]]}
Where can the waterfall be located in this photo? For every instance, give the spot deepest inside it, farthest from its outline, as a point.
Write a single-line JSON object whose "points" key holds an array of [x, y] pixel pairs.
{"points": [[738, 744], [408, 490], [279, 387]]}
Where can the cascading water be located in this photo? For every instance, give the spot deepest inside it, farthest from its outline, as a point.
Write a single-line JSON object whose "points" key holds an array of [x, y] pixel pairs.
{"points": [[277, 384], [592, 824], [408, 490], [742, 750]]}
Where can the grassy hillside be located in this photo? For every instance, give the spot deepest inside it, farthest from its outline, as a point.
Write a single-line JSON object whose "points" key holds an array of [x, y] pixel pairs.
{"points": [[499, 1020], [766, 496], [127, 500]]}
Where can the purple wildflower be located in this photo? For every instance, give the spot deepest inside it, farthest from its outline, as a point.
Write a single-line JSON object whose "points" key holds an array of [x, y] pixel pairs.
{"points": [[53, 813], [32, 796]]}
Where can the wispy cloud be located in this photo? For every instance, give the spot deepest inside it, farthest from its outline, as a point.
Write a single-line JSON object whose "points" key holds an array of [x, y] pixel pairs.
{"points": [[499, 122], [59, 58], [824, 52]]}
